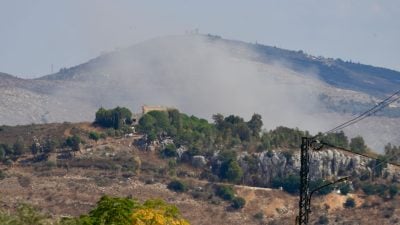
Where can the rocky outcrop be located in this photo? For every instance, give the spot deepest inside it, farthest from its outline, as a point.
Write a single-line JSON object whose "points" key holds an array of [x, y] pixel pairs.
{"points": [[261, 168]]}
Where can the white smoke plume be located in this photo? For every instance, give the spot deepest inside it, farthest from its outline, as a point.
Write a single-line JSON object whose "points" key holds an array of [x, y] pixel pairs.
{"points": [[200, 75]]}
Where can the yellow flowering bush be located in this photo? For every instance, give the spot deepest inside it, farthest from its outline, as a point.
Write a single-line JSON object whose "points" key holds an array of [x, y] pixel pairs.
{"points": [[157, 212]]}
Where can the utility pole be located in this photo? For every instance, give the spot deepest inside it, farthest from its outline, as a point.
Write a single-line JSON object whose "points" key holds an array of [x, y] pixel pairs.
{"points": [[304, 203], [305, 195]]}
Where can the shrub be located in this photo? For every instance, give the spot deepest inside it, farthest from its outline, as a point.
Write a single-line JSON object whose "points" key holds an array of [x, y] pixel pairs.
{"points": [[170, 151], [177, 186], [94, 135], [365, 176], [350, 203], [323, 220], [225, 192], [318, 183], [290, 183], [259, 216], [345, 189], [238, 203], [393, 190]]}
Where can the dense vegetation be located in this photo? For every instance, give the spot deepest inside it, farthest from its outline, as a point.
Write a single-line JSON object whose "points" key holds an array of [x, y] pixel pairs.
{"points": [[114, 118], [221, 143], [118, 211], [126, 211]]}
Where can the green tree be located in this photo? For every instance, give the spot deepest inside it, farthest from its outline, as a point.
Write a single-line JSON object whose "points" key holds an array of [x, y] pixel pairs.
{"points": [[218, 121], [345, 189], [357, 144], [73, 142], [290, 183], [379, 165], [35, 148], [338, 139], [2, 153], [112, 211], [125, 211], [147, 123], [392, 152], [49, 145], [255, 124], [231, 171], [19, 146], [175, 119], [314, 184], [162, 120], [115, 118], [243, 131]]}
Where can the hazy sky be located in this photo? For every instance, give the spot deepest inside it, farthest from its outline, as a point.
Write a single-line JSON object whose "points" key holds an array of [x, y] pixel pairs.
{"points": [[34, 34]]}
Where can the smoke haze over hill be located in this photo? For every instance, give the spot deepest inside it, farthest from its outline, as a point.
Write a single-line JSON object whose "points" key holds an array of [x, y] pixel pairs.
{"points": [[200, 75]]}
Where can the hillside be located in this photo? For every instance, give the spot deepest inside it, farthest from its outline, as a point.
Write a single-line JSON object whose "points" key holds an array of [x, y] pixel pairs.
{"points": [[290, 88], [68, 182]]}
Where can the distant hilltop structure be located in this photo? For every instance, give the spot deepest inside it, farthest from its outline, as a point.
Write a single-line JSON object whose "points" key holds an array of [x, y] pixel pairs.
{"points": [[148, 108]]}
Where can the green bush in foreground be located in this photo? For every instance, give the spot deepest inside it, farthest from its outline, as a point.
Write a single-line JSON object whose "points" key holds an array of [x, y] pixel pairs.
{"points": [[108, 211], [238, 203]]}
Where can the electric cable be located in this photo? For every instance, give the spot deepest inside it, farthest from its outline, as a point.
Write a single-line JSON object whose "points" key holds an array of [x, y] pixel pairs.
{"points": [[364, 155], [392, 98]]}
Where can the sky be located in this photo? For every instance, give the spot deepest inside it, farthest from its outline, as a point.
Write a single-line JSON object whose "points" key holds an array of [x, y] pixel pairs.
{"points": [[36, 36]]}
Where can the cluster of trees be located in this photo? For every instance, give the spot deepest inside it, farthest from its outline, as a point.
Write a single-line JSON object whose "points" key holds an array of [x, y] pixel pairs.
{"points": [[114, 118], [228, 132], [40, 149], [291, 184], [195, 132], [126, 211], [283, 137], [121, 211], [234, 128], [380, 189], [185, 130], [12, 152]]}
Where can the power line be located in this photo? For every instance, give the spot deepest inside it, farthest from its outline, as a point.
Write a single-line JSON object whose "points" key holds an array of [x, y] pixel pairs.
{"points": [[366, 114], [364, 155], [312, 143]]}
